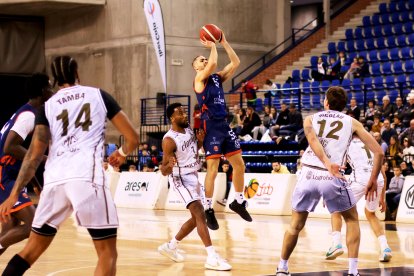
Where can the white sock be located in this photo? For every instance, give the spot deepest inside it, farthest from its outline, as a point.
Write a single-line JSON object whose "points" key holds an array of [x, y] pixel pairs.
{"points": [[211, 251], [173, 243], [238, 197], [353, 264], [283, 264], [383, 242], [209, 203], [336, 237]]}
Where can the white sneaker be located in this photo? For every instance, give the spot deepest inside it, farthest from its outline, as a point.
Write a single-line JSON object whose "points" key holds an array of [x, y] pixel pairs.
{"points": [[385, 255], [173, 254], [282, 272], [217, 263], [334, 251]]}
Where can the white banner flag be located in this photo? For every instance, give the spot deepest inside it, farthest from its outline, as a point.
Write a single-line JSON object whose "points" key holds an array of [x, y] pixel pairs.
{"points": [[155, 22]]}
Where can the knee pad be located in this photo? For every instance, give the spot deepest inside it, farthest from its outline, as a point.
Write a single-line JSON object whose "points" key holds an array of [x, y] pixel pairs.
{"points": [[102, 234], [45, 230]]}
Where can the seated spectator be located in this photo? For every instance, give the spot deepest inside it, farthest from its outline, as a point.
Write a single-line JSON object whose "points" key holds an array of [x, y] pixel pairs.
{"points": [[388, 172], [399, 108], [107, 167], [265, 124], [279, 168], [334, 67], [405, 168], [363, 70], [387, 109], [282, 119], [377, 124], [241, 116], [408, 150], [252, 120], [151, 166], [132, 168], [250, 91], [377, 137], [397, 125], [408, 113], [116, 169], [408, 133], [394, 151], [227, 169], [352, 70], [394, 190], [387, 131], [370, 113], [320, 72], [354, 110], [234, 122], [295, 120]]}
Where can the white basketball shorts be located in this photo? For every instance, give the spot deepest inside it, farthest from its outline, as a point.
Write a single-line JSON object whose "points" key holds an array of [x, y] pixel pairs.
{"points": [[315, 183], [188, 187], [92, 205], [359, 191]]}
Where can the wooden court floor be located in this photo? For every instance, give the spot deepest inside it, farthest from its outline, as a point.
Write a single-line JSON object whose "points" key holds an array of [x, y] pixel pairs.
{"points": [[252, 248]]}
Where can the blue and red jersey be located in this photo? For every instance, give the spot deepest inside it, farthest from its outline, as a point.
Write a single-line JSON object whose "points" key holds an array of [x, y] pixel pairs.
{"points": [[211, 100]]}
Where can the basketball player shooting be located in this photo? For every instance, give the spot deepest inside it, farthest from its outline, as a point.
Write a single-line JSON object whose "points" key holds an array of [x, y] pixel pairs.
{"points": [[219, 138]]}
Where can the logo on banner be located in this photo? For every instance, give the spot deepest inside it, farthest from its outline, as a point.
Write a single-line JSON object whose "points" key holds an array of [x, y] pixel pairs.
{"points": [[133, 186], [255, 189], [409, 198], [151, 8]]}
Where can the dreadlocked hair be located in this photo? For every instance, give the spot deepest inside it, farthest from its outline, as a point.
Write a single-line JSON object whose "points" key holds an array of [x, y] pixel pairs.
{"points": [[64, 70]]}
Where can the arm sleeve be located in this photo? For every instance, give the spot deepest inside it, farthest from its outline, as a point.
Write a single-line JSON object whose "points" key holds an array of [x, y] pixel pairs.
{"points": [[24, 124], [41, 118], [111, 105]]}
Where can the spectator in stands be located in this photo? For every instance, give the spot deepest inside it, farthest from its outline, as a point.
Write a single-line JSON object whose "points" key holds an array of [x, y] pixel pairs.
{"points": [[240, 121], [393, 193], [394, 151], [132, 168], [381, 142], [352, 70], [342, 58], [408, 113], [151, 166], [227, 169], [387, 109], [399, 107], [405, 168], [196, 118], [333, 70], [116, 169], [377, 125], [235, 117], [397, 125], [387, 131], [273, 116], [269, 84], [250, 90], [320, 73], [282, 120], [363, 70], [250, 122], [277, 167], [107, 167], [388, 172], [409, 133], [265, 124], [354, 110], [295, 120], [370, 113], [408, 150]]}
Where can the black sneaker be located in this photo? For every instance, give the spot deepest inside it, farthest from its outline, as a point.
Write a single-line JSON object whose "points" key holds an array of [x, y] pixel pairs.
{"points": [[241, 210], [211, 219]]}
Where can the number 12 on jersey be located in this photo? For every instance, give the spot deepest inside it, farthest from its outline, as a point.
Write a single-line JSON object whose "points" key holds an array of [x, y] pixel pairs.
{"points": [[84, 113]]}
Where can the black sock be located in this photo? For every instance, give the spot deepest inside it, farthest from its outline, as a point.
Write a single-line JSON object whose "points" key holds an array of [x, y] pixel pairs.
{"points": [[17, 266]]}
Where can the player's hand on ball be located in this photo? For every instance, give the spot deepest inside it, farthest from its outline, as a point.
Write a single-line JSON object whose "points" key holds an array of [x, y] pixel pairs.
{"points": [[223, 38], [207, 43]]}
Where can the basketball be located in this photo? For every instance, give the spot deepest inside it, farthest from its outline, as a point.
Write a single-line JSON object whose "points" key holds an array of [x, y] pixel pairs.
{"points": [[211, 32], [251, 189]]}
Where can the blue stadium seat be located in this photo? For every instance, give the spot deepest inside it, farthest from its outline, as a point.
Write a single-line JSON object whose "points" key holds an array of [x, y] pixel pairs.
{"points": [[394, 54], [331, 48], [367, 32], [406, 53], [350, 46], [383, 55], [383, 8], [385, 19], [392, 7], [378, 83], [401, 6], [401, 41], [380, 43], [411, 4], [358, 33], [393, 94], [389, 82], [350, 58], [306, 101], [315, 87], [395, 18], [286, 90], [370, 44], [259, 105], [401, 80], [397, 68], [411, 80], [377, 31], [404, 16], [366, 21], [398, 29], [373, 56], [411, 40], [344, 69], [341, 46], [336, 83], [306, 75], [316, 101], [346, 84], [360, 45], [295, 89], [349, 35], [324, 86], [375, 20], [314, 62], [376, 69], [408, 27], [306, 88], [391, 42], [368, 84], [296, 75], [356, 85], [386, 68], [409, 67]]}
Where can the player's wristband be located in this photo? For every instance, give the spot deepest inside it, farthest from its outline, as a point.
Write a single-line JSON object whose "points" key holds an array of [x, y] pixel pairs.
{"points": [[122, 153]]}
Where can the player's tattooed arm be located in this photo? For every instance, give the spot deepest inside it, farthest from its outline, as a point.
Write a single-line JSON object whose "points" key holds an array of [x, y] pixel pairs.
{"points": [[168, 158], [31, 162]]}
